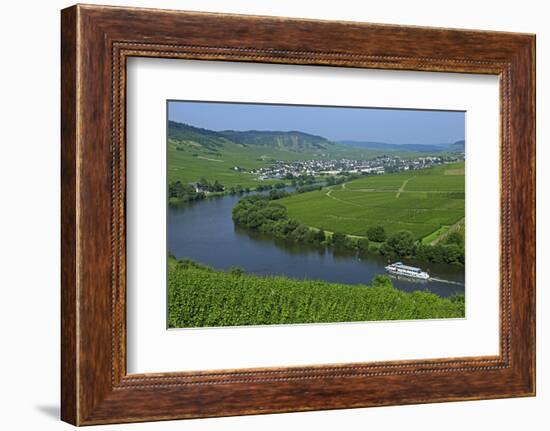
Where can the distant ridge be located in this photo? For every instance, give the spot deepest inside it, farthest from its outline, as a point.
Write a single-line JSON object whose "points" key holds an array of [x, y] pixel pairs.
{"points": [[457, 146], [295, 141], [292, 140]]}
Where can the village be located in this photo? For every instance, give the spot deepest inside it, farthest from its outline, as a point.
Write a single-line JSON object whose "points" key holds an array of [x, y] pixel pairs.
{"points": [[379, 165]]}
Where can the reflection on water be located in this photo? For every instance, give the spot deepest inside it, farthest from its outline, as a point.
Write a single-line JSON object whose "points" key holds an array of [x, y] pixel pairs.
{"points": [[204, 231]]}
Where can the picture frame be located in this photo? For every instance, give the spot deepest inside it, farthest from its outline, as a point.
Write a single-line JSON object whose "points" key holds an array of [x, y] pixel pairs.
{"points": [[96, 42]]}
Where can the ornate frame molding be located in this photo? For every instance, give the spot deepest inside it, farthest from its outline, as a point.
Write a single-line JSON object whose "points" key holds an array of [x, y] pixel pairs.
{"points": [[96, 41]]}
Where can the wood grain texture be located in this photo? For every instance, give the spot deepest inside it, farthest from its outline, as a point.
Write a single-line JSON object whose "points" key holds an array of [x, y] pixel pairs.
{"points": [[96, 41], [69, 366]]}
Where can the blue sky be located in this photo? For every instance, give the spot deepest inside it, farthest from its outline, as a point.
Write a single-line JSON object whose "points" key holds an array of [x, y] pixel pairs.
{"points": [[394, 126]]}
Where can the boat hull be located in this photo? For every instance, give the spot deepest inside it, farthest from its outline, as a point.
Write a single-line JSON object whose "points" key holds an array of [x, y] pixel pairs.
{"points": [[418, 276]]}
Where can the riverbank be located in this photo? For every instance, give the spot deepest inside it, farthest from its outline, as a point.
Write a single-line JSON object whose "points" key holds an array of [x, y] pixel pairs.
{"points": [[205, 232], [199, 296], [180, 193], [267, 215]]}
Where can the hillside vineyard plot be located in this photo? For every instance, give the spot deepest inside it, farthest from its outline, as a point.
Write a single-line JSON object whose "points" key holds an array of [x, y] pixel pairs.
{"points": [[202, 297], [195, 153], [420, 201]]}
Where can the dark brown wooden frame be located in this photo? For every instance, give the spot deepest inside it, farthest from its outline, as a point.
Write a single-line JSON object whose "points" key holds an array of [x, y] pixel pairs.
{"points": [[96, 41]]}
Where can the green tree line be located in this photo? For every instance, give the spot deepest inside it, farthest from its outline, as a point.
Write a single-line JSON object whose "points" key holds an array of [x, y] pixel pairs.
{"points": [[179, 192], [264, 214]]}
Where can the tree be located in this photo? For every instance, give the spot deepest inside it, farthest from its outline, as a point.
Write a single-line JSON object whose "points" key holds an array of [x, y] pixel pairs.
{"points": [[432, 253], [203, 184], [381, 280], [338, 239], [320, 236], [236, 271], [400, 244], [176, 189], [454, 254], [373, 249], [277, 194], [310, 236], [179, 192], [300, 233], [455, 238], [217, 186], [350, 243], [376, 233], [441, 253], [362, 245], [273, 212]]}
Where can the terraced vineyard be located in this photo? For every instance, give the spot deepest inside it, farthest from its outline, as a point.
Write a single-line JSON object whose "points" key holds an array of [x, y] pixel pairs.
{"points": [[420, 201]]}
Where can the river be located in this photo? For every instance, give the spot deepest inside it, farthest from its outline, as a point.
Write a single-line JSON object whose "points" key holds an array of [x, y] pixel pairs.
{"points": [[204, 232]]}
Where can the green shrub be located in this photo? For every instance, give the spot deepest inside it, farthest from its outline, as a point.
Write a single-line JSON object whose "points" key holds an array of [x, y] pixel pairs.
{"points": [[373, 248], [338, 239], [400, 244], [376, 233], [362, 245]]}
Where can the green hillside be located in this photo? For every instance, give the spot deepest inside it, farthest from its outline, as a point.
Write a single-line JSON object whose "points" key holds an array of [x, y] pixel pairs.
{"points": [[195, 153], [201, 297], [297, 141], [420, 201]]}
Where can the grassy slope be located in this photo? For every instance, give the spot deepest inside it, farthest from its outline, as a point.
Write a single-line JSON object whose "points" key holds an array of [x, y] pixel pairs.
{"points": [[193, 161], [201, 297], [430, 199], [183, 166]]}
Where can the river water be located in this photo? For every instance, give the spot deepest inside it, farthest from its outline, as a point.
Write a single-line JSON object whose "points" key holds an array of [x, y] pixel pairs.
{"points": [[204, 232]]}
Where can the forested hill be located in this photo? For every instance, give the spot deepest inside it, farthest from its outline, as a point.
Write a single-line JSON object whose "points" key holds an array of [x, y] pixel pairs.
{"points": [[293, 140], [207, 139]]}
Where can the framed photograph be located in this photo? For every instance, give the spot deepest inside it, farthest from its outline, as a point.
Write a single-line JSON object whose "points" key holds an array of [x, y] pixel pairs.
{"points": [[264, 215], [313, 216]]}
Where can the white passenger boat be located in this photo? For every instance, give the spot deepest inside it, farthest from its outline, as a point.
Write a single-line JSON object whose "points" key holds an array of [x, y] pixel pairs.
{"points": [[398, 268]]}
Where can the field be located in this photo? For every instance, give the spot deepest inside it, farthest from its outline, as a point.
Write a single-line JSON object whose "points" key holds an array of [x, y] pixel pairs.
{"points": [[188, 164], [198, 153], [201, 297], [422, 201]]}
